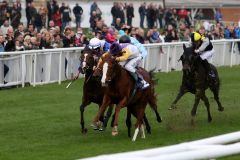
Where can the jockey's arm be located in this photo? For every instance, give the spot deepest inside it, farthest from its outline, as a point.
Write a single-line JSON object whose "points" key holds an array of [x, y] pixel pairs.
{"points": [[140, 46], [125, 54], [204, 45], [100, 59]]}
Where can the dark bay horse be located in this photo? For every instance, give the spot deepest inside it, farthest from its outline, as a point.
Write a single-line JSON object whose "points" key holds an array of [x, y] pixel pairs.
{"points": [[118, 90], [92, 89], [94, 92], [195, 80]]}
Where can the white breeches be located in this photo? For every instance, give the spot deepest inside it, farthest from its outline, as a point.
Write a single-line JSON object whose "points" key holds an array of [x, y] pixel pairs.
{"points": [[207, 54], [130, 65]]}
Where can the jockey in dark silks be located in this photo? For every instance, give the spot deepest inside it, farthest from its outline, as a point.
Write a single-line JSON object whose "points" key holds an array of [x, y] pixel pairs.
{"points": [[99, 46], [204, 48]]}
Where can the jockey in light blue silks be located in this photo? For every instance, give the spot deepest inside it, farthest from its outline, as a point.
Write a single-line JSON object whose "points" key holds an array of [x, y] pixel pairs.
{"points": [[136, 43]]}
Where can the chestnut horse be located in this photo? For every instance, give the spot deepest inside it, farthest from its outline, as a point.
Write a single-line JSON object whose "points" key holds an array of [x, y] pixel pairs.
{"points": [[93, 91], [195, 80], [119, 86]]}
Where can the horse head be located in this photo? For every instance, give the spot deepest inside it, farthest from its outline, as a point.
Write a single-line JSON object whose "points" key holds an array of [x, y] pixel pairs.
{"points": [[187, 59], [88, 60], [106, 69]]}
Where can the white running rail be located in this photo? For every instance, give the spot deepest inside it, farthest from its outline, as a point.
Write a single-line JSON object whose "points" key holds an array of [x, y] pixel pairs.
{"points": [[55, 65], [214, 147]]}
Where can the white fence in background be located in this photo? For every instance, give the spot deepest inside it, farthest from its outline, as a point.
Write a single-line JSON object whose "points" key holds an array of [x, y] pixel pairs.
{"points": [[214, 147], [56, 65]]}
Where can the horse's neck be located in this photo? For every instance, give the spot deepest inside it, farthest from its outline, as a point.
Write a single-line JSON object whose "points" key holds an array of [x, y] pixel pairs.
{"points": [[120, 79], [88, 73]]}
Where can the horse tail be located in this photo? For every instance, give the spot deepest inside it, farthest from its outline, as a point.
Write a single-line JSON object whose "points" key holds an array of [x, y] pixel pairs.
{"points": [[152, 99], [152, 76], [217, 85]]}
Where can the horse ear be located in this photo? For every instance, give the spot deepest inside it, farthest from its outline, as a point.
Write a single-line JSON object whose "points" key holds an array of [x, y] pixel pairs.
{"points": [[184, 47], [181, 58]]}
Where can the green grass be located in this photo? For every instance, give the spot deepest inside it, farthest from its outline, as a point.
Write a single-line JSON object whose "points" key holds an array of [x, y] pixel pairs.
{"points": [[42, 123]]}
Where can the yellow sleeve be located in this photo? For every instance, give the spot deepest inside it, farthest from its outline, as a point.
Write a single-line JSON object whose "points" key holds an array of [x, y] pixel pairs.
{"points": [[100, 60], [125, 55]]}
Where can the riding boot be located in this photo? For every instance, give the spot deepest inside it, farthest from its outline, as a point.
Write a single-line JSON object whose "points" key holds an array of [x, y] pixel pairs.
{"points": [[134, 76], [209, 70], [144, 84]]}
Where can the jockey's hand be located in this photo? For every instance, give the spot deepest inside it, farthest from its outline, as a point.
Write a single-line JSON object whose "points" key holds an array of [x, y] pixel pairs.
{"points": [[76, 76], [197, 51], [115, 58]]}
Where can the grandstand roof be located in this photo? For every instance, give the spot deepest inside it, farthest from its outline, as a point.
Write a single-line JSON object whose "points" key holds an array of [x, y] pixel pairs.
{"points": [[202, 3]]}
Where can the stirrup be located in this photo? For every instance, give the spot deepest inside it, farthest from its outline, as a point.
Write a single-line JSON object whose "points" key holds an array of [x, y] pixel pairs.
{"points": [[145, 85]]}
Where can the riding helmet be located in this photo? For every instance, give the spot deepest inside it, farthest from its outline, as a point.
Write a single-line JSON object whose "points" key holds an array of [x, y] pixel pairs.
{"points": [[195, 36], [124, 39], [94, 43], [115, 49]]}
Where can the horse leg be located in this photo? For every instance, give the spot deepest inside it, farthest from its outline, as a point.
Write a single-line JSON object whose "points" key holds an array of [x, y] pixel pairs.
{"points": [[108, 115], [82, 107], [148, 127], [122, 103], [206, 102], [198, 95], [113, 117], [142, 132], [139, 122], [128, 122], [180, 94], [215, 91], [105, 103]]}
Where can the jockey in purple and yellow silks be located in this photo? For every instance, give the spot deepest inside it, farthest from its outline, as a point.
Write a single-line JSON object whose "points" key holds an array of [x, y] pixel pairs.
{"points": [[129, 57]]}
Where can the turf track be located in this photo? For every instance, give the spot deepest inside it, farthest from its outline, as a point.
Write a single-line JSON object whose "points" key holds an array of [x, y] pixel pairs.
{"points": [[42, 123]]}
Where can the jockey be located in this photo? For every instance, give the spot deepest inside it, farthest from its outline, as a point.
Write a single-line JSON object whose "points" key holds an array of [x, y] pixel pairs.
{"points": [[128, 56], [204, 48], [135, 42], [100, 46]]}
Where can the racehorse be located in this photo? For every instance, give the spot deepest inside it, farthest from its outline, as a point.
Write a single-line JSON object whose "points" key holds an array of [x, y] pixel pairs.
{"points": [[119, 89], [93, 91], [196, 80]]}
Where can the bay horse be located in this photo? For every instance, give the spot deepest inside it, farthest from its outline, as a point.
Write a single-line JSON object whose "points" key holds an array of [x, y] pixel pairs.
{"points": [[119, 86], [94, 92], [196, 80]]}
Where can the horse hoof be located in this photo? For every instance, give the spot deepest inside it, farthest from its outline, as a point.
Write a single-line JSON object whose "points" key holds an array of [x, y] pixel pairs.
{"points": [[94, 126], [209, 119], [221, 109], [159, 120], [172, 108], [84, 131], [193, 113], [114, 133], [101, 129]]}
